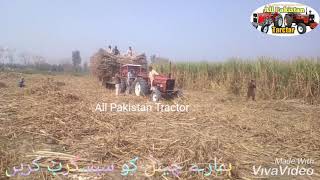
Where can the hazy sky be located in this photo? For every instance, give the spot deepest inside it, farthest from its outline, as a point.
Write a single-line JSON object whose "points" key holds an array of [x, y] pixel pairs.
{"points": [[177, 29]]}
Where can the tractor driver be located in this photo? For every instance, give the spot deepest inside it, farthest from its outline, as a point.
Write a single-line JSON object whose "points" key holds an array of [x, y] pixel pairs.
{"points": [[152, 74]]}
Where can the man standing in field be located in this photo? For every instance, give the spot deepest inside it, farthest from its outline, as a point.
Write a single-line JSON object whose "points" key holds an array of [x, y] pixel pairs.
{"points": [[21, 83], [152, 74], [252, 90], [117, 81], [129, 76]]}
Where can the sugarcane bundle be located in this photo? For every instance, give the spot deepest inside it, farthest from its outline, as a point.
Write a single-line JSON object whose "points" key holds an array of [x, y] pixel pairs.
{"points": [[105, 65]]}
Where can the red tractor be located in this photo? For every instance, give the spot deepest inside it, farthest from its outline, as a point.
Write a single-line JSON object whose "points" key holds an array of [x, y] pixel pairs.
{"points": [[266, 19], [301, 21], [139, 83]]}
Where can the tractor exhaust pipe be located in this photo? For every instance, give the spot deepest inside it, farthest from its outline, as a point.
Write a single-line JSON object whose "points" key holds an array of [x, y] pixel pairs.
{"points": [[170, 69]]}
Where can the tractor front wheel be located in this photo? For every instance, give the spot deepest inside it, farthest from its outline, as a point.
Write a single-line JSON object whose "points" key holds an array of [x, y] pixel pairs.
{"points": [[265, 28], [155, 95], [140, 87], [302, 28]]}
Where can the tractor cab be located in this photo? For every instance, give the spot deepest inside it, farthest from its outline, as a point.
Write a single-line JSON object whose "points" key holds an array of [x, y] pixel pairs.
{"points": [[136, 70]]}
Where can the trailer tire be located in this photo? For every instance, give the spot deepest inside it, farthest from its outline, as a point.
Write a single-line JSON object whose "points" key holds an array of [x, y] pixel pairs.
{"points": [[140, 87], [301, 28]]}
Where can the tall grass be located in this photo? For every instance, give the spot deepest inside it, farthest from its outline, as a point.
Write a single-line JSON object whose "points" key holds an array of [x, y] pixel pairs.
{"points": [[299, 78]]}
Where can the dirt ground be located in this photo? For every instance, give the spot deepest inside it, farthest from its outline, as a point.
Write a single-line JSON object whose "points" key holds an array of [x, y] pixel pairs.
{"points": [[57, 114]]}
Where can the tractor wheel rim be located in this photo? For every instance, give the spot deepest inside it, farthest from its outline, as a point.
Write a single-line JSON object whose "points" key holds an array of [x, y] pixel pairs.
{"points": [[280, 22], [300, 29], [265, 29], [137, 89]]}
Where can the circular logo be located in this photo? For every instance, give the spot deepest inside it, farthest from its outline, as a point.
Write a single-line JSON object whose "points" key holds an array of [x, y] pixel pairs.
{"points": [[284, 19]]}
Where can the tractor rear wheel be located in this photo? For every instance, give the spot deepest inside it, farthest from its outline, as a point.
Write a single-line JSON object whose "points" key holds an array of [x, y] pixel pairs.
{"points": [[278, 21], [302, 28], [288, 20], [140, 87], [155, 95], [265, 28]]}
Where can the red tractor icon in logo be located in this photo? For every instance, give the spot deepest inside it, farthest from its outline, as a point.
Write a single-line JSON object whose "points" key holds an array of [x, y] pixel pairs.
{"points": [[266, 19], [301, 21]]}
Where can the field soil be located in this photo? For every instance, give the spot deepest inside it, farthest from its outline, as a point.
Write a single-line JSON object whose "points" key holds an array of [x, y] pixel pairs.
{"points": [[55, 117]]}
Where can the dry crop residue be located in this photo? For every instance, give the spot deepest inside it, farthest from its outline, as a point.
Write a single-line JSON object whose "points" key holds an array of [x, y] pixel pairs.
{"points": [[57, 114]]}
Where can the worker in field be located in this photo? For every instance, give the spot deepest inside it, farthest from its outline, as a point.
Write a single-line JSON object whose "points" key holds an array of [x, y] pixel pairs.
{"points": [[129, 77], [152, 74], [117, 81], [129, 52], [115, 51], [109, 49], [252, 90], [21, 83]]}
